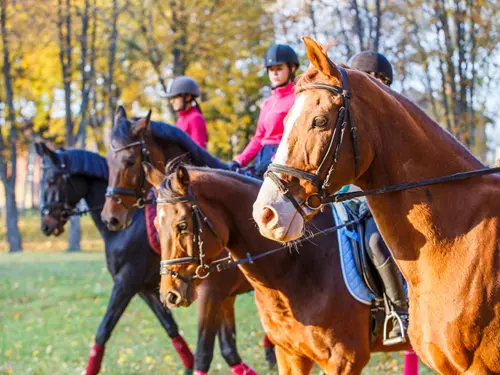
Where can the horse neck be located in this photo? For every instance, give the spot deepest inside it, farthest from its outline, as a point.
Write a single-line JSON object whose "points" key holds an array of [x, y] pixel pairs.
{"points": [[417, 149], [244, 237], [95, 199]]}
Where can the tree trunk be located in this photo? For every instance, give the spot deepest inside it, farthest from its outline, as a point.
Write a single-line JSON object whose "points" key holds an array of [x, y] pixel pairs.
{"points": [[179, 28], [359, 25], [9, 181], [11, 218], [65, 57], [111, 61], [87, 74]]}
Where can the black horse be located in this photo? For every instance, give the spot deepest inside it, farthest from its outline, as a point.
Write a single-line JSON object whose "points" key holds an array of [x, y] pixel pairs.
{"points": [[72, 175]]}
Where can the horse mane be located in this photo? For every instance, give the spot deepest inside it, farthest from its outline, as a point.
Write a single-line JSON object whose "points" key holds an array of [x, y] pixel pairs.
{"points": [[83, 162], [166, 132], [165, 190], [413, 109]]}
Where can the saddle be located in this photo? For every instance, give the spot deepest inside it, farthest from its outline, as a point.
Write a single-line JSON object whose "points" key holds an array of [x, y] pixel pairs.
{"points": [[360, 275]]}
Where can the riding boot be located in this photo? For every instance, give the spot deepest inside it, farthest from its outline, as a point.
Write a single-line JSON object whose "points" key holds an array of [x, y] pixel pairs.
{"points": [[394, 290]]}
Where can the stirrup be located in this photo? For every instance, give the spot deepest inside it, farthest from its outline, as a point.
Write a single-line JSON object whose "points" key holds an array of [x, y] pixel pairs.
{"points": [[394, 340]]}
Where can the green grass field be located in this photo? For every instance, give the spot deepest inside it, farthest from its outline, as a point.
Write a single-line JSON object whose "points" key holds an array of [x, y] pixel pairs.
{"points": [[52, 302]]}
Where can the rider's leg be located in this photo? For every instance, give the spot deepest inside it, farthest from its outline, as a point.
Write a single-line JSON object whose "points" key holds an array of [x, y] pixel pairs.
{"points": [[389, 273]]}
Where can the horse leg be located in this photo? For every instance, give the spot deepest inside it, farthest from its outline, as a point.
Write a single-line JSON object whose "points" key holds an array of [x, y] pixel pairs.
{"points": [[166, 319], [208, 325], [227, 340], [269, 351], [120, 298], [289, 364]]}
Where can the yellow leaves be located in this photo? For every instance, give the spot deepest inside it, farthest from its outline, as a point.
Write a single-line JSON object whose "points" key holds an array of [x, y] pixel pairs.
{"points": [[35, 352], [149, 360], [17, 316], [128, 340], [8, 353]]}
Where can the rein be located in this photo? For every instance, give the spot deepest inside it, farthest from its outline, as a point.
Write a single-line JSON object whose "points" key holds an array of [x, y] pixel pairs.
{"points": [[341, 197], [203, 270], [140, 193]]}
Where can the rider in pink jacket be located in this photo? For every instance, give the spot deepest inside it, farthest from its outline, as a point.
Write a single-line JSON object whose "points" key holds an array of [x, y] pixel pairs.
{"points": [[281, 62], [182, 93]]}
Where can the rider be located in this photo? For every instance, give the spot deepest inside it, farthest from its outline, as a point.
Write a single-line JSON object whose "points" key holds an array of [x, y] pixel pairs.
{"points": [[378, 66], [182, 92], [281, 63]]}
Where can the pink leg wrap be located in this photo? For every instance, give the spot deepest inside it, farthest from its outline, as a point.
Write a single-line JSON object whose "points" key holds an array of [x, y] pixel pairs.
{"points": [[95, 359], [183, 350], [267, 343], [198, 372], [243, 369], [411, 363]]}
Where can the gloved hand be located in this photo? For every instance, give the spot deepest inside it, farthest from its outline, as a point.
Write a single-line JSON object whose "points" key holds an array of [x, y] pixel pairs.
{"points": [[234, 165]]}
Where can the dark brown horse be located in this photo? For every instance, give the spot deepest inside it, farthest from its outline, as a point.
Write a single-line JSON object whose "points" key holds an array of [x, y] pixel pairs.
{"points": [[300, 293], [140, 140], [445, 238]]}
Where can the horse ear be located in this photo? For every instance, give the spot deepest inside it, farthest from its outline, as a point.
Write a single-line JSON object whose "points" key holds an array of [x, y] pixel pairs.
{"points": [[141, 125], [180, 183], [43, 150], [119, 114], [153, 175], [318, 57]]}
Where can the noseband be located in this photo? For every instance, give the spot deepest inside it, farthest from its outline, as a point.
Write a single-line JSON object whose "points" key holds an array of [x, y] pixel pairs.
{"points": [[344, 120], [140, 193], [199, 218]]}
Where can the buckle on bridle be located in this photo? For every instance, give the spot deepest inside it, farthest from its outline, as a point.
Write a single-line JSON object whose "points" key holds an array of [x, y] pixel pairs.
{"points": [[313, 202], [202, 272]]}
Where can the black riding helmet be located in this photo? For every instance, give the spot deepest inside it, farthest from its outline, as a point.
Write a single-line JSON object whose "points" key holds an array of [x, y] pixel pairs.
{"points": [[373, 63], [282, 54]]}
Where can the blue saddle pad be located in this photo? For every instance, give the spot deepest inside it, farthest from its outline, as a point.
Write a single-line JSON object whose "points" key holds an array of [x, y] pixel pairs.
{"points": [[353, 280]]}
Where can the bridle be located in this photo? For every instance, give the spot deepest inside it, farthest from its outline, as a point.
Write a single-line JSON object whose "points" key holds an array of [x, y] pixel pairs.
{"points": [[140, 192], [66, 209], [199, 219], [344, 120]]}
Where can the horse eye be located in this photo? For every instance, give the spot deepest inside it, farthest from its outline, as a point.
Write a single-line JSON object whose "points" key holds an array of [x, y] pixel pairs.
{"points": [[320, 122], [129, 163], [181, 227]]}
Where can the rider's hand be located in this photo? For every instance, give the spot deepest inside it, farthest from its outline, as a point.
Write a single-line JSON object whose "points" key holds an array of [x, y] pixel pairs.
{"points": [[234, 165]]}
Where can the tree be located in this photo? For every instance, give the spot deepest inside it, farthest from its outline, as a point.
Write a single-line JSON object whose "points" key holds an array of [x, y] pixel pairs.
{"points": [[8, 159]]}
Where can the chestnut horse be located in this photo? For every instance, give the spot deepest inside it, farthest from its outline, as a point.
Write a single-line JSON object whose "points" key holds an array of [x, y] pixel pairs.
{"points": [[445, 237], [300, 294], [133, 141]]}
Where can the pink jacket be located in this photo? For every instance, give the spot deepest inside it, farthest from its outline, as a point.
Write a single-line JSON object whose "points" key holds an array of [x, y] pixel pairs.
{"points": [[270, 125], [192, 122]]}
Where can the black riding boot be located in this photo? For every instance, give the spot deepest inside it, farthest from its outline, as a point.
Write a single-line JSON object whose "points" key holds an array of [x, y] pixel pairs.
{"points": [[394, 290]]}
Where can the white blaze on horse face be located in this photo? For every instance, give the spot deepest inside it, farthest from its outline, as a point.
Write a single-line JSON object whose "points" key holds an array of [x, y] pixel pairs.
{"points": [[287, 224], [281, 156]]}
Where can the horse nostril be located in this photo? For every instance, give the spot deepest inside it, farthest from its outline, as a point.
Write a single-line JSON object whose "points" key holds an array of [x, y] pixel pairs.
{"points": [[114, 221], [173, 298], [268, 215]]}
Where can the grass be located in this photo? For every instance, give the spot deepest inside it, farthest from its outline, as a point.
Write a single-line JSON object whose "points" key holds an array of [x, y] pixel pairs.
{"points": [[51, 304], [35, 241]]}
